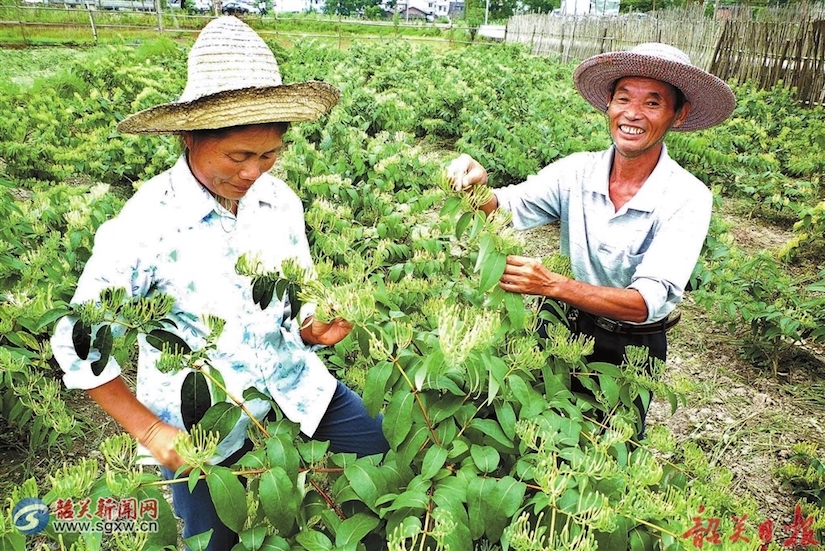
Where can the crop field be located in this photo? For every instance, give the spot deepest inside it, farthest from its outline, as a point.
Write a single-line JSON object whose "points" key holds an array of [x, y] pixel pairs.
{"points": [[489, 448]]}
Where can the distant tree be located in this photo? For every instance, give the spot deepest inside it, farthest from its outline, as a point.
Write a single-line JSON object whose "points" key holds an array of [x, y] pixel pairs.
{"points": [[540, 6], [347, 7], [502, 9], [649, 5]]}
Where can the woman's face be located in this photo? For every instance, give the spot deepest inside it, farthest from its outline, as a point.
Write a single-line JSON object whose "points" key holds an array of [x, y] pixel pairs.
{"points": [[227, 163]]}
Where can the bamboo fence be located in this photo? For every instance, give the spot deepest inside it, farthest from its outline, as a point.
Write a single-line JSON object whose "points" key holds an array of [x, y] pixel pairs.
{"points": [[779, 48]]}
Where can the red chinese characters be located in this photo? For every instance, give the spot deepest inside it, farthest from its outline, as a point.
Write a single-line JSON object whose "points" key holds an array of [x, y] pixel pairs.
{"points": [[706, 531]]}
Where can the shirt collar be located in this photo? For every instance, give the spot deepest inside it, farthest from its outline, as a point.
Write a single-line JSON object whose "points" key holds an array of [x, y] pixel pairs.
{"points": [[648, 195], [193, 200]]}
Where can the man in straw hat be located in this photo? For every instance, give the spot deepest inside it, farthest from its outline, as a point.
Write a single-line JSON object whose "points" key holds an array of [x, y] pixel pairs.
{"points": [[182, 234], [632, 220]]}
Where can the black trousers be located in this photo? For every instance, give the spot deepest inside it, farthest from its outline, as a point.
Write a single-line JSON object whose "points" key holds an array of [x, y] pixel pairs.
{"points": [[609, 348]]}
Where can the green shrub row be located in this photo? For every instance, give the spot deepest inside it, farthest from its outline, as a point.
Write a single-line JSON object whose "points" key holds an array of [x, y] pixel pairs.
{"points": [[490, 449]]}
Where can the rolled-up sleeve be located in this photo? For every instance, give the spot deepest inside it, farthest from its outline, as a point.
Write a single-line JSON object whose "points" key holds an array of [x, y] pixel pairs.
{"points": [[667, 265], [110, 266]]}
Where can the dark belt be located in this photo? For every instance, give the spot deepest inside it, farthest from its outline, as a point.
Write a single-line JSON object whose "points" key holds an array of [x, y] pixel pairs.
{"points": [[655, 328]]}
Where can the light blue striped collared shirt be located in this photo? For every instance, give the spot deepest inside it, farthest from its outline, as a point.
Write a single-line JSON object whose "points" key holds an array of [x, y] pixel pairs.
{"points": [[651, 244]]}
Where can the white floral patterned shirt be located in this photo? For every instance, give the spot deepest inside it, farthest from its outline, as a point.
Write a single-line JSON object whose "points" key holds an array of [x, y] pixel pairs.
{"points": [[172, 237]]}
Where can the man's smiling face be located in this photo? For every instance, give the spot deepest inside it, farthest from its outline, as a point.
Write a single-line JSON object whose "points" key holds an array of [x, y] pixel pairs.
{"points": [[640, 112]]}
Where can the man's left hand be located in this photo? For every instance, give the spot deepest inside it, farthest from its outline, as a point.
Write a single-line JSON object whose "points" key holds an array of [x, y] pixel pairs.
{"points": [[527, 275]]}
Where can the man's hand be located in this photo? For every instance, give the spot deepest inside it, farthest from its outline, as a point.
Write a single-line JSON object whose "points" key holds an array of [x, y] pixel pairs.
{"points": [[528, 276], [465, 172], [327, 334]]}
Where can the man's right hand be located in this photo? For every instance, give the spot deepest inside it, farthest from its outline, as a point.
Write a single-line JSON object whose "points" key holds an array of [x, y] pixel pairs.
{"points": [[465, 172]]}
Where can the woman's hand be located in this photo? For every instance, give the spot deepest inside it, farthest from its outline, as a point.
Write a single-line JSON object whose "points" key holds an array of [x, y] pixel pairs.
{"points": [[327, 334], [159, 439]]}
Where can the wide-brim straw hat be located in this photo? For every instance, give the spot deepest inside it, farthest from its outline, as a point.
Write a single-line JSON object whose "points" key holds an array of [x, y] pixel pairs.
{"points": [[233, 80], [712, 101]]}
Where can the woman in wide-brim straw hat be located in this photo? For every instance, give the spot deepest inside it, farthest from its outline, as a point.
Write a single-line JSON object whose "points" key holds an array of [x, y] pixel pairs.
{"points": [[182, 234], [632, 220]]}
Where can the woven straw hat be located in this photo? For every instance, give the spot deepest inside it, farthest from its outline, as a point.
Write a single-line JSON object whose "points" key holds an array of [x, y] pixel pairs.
{"points": [[233, 80], [712, 101]]}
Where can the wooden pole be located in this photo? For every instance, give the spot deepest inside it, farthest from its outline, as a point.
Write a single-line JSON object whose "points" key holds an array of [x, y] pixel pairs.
{"points": [[159, 12], [92, 22]]}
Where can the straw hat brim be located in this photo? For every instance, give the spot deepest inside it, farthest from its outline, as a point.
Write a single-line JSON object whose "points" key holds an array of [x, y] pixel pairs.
{"points": [[712, 101], [303, 101]]}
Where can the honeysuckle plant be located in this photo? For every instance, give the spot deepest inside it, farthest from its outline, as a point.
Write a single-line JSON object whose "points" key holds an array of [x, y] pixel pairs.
{"points": [[490, 449]]}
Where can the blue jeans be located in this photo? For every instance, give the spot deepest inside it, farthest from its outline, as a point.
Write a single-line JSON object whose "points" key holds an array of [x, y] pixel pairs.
{"points": [[347, 426]]}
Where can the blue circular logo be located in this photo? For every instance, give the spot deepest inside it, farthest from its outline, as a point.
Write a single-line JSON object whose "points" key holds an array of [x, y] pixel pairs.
{"points": [[30, 515]]}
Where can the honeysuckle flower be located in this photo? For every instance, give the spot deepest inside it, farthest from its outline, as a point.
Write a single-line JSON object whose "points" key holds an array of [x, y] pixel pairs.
{"points": [[197, 446], [461, 329]]}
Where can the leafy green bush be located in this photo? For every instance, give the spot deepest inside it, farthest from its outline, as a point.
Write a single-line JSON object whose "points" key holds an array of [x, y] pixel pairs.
{"points": [[47, 237], [489, 447], [64, 126]]}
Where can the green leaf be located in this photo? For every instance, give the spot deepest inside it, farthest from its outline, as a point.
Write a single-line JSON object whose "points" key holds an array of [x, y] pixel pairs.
{"points": [[502, 502], [434, 460], [218, 393], [486, 245], [463, 223], [253, 538], [640, 540], [610, 389], [253, 393], [195, 400], [280, 450], [398, 418], [506, 416], [280, 287], [375, 386], [13, 542], [160, 338], [51, 316], [367, 481], [491, 270], [491, 429], [274, 542], [198, 542], [312, 540], [415, 499], [486, 458], [269, 290], [221, 419], [294, 299], [510, 494], [278, 494], [82, 339], [312, 451], [167, 525], [477, 504], [354, 529], [531, 401], [258, 289], [514, 303], [229, 496], [103, 344]]}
